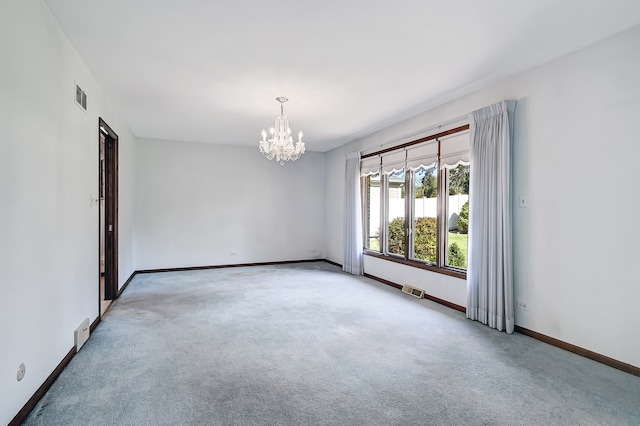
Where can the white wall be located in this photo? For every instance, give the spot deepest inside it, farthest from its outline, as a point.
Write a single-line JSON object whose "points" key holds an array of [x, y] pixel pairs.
{"points": [[48, 171], [575, 148], [210, 204]]}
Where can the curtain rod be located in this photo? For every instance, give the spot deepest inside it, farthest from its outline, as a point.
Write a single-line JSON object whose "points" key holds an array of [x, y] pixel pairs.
{"points": [[391, 145], [417, 141]]}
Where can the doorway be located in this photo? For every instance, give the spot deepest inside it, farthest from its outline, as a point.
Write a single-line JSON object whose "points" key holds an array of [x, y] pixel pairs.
{"points": [[108, 216]]}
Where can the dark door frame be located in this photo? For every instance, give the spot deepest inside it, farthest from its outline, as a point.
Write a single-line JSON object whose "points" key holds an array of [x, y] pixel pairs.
{"points": [[111, 210]]}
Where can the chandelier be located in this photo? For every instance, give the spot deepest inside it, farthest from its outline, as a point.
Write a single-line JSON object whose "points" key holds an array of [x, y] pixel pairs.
{"points": [[280, 143]]}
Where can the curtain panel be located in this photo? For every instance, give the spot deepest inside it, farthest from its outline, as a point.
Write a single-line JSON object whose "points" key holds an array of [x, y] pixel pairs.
{"points": [[352, 223], [490, 271]]}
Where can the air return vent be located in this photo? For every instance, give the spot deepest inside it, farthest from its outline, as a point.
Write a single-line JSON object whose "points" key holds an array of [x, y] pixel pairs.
{"points": [[413, 291], [81, 335], [81, 98]]}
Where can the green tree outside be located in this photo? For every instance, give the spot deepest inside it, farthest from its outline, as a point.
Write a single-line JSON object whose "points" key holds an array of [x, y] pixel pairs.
{"points": [[463, 222], [396, 236], [456, 256], [459, 180]]}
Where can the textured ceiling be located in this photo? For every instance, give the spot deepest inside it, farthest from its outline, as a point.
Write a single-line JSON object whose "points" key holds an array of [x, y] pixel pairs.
{"points": [[209, 71]]}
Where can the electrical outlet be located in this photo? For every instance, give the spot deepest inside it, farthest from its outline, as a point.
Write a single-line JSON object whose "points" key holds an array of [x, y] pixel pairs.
{"points": [[22, 370], [523, 201], [522, 305]]}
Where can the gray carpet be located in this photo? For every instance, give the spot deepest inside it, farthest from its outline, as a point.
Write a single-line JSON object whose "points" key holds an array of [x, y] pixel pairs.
{"points": [[306, 344]]}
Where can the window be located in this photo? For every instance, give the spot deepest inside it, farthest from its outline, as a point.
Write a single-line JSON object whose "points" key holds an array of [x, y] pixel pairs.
{"points": [[394, 187], [396, 197], [415, 201], [425, 213], [372, 219], [454, 155], [370, 170], [458, 222]]}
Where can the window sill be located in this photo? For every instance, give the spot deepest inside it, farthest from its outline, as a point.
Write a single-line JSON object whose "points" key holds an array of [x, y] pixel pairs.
{"points": [[416, 264]]}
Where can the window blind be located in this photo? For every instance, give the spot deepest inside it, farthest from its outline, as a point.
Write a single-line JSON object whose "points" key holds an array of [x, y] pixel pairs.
{"points": [[454, 150], [425, 155], [370, 166], [393, 161]]}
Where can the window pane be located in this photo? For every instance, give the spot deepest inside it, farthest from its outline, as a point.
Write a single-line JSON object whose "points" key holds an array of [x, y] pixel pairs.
{"points": [[372, 219], [425, 211], [395, 213], [458, 217]]}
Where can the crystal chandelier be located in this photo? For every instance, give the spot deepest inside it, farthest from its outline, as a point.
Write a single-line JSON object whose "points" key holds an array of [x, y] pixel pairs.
{"points": [[280, 143]]}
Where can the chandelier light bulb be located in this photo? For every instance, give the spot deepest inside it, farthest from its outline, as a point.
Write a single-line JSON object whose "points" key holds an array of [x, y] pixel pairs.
{"points": [[280, 144]]}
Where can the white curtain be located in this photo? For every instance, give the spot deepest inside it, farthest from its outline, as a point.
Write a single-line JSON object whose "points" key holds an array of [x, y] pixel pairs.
{"points": [[352, 216], [490, 271]]}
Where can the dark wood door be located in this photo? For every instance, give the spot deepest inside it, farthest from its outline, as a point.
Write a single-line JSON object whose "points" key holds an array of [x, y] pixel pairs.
{"points": [[110, 222]]}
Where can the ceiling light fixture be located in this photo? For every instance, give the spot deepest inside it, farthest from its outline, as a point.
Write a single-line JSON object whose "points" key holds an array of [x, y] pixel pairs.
{"points": [[280, 144]]}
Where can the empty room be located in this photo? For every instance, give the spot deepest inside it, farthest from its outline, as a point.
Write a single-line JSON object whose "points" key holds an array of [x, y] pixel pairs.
{"points": [[329, 213]]}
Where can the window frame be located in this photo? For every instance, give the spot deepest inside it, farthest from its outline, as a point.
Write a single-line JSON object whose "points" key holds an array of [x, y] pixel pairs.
{"points": [[442, 225], [366, 204], [384, 230]]}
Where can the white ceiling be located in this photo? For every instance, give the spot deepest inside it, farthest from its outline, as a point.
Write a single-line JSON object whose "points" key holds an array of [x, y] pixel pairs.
{"points": [[209, 71]]}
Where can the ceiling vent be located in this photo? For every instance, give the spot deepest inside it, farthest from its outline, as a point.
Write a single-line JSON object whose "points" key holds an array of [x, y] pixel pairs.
{"points": [[81, 98], [413, 291]]}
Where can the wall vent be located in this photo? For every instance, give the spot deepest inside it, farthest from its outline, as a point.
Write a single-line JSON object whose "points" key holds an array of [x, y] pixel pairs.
{"points": [[413, 291], [81, 98], [81, 335]]}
